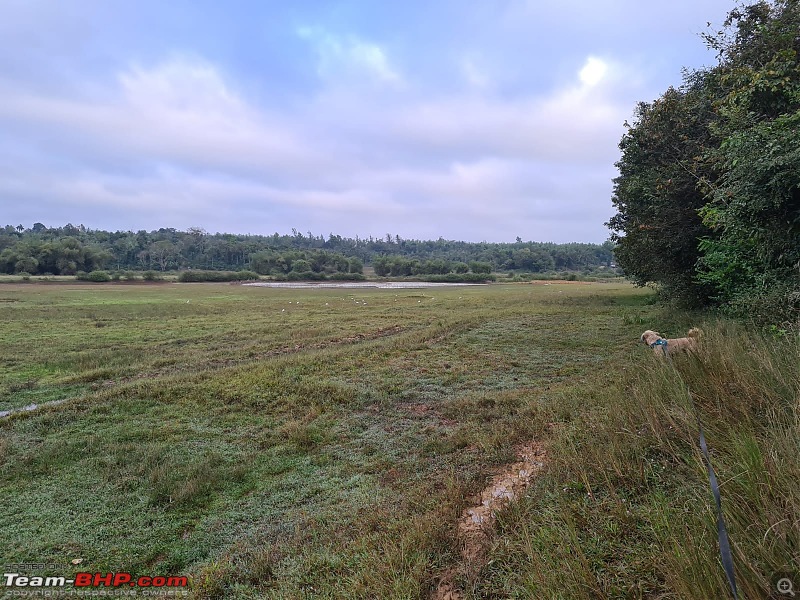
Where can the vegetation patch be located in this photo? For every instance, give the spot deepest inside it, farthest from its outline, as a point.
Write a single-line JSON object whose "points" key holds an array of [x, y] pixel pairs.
{"points": [[269, 441]]}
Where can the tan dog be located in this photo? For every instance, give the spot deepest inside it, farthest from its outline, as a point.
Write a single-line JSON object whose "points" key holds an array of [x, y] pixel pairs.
{"points": [[665, 346]]}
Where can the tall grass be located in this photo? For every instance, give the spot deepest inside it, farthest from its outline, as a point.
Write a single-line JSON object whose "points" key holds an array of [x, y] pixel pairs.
{"points": [[626, 509]]}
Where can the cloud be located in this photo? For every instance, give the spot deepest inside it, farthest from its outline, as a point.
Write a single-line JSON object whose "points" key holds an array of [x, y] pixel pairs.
{"points": [[593, 71], [178, 112], [178, 143], [349, 57]]}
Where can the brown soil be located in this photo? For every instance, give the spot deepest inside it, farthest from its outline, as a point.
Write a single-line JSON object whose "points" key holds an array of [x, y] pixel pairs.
{"points": [[476, 523]]}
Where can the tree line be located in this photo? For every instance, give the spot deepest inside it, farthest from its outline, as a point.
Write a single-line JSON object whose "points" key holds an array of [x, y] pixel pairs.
{"points": [[67, 250], [708, 195]]}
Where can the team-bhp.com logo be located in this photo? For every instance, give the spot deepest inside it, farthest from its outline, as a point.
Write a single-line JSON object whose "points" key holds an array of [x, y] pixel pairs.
{"points": [[94, 580]]}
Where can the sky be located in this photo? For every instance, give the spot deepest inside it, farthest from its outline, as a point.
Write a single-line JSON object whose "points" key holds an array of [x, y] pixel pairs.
{"points": [[479, 120]]}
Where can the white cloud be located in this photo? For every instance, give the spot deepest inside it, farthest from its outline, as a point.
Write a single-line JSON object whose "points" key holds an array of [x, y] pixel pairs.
{"points": [[349, 56], [178, 112], [593, 71], [468, 165]]}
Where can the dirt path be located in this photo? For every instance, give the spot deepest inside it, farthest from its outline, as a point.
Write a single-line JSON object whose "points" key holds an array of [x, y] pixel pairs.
{"points": [[476, 523]]}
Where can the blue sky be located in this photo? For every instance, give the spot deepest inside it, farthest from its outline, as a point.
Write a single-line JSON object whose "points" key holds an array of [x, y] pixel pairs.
{"points": [[479, 120]]}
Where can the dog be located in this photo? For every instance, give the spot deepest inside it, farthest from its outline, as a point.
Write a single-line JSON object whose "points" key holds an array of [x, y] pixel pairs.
{"points": [[661, 345]]}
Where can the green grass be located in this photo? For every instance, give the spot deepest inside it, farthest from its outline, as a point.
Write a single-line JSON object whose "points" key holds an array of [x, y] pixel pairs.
{"points": [[298, 443], [625, 509]]}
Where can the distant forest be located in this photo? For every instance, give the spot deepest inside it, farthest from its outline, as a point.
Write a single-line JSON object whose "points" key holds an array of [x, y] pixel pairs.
{"points": [[70, 249]]}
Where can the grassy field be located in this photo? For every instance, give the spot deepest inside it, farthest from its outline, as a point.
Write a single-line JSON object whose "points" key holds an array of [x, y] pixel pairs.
{"points": [[309, 443]]}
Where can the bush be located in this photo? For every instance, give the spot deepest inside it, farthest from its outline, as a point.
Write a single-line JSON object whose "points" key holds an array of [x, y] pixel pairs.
{"points": [[305, 276], [216, 276], [95, 276], [459, 278], [346, 277], [151, 276], [129, 276], [98, 276]]}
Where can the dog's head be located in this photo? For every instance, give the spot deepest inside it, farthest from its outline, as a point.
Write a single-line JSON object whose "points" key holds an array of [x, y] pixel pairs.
{"points": [[650, 337], [695, 332]]}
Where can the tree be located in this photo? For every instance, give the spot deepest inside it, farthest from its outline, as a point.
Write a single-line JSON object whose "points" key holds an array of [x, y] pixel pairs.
{"points": [[163, 252], [660, 190], [355, 265], [27, 264], [708, 195], [301, 266], [753, 261], [480, 267], [382, 266]]}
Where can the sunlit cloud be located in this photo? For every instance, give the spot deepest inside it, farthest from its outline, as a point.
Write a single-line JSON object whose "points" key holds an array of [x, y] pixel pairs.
{"points": [[593, 71]]}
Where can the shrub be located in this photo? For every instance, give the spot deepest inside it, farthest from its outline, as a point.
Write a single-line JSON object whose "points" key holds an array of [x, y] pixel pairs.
{"points": [[346, 277], [305, 276], [95, 276], [151, 276], [98, 276], [459, 278], [216, 276]]}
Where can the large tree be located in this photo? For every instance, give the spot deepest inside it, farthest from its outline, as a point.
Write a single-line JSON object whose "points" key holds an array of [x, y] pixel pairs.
{"points": [[753, 261], [708, 195], [659, 190]]}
